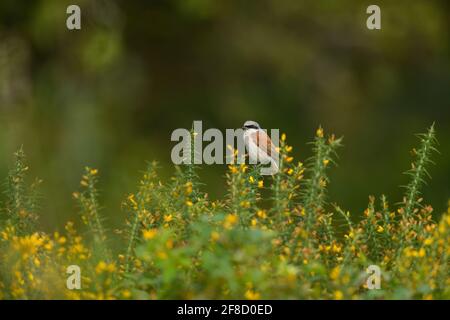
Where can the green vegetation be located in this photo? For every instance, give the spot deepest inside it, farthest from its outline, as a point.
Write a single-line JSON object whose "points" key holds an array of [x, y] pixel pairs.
{"points": [[178, 243]]}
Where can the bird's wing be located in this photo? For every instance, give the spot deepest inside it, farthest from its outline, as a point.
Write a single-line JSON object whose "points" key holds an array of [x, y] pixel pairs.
{"points": [[263, 141]]}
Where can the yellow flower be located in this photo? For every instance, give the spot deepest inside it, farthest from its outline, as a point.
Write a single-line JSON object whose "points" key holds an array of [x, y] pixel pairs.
{"points": [[325, 162], [189, 203], [261, 214], [137, 263], [380, 229], [149, 234], [252, 295], [283, 137], [162, 255], [215, 236], [336, 248], [319, 132], [350, 235], [37, 262], [428, 241], [28, 245], [168, 218], [245, 204], [102, 267], [334, 274], [260, 183], [251, 179], [288, 148], [289, 159], [48, 246], [93, 172], [188, 188], [111, 268], [233, 169], [254, 222], [338, 295], [230, 220], [421, 253]]}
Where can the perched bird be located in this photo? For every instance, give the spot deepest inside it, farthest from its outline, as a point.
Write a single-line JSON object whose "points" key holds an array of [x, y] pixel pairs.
{"points": [[260, 148]]}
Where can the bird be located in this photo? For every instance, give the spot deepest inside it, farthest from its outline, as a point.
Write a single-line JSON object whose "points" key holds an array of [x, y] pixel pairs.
{"points": [[260, 148]]}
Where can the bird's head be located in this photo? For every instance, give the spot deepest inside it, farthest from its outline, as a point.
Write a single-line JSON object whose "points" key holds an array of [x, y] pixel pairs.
{"points": [[250, 125]]}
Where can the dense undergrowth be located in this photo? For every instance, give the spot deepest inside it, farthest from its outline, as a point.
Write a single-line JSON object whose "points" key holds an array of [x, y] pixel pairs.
{"points": [[178, 243]]}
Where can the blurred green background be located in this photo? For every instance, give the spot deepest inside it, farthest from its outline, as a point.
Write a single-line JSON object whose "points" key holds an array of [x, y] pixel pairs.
{"points": [[110, 95]]}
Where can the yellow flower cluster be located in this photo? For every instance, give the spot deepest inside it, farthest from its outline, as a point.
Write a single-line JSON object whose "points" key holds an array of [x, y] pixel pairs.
{"points": [[180, 244]]}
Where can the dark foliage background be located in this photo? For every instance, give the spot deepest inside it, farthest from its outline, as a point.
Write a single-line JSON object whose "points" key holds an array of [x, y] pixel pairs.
{"points": [[109, 95]]}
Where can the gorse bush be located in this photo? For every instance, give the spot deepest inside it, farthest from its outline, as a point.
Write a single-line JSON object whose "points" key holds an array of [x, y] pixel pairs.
{"points": [[179, 243]]}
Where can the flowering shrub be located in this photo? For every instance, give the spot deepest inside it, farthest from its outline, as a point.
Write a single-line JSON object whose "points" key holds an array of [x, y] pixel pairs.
{"points": [[179, 244]]}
